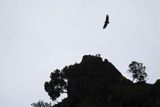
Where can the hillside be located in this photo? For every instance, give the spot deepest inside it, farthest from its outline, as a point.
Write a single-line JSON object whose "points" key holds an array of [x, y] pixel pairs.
{"points": [[95, 82]]}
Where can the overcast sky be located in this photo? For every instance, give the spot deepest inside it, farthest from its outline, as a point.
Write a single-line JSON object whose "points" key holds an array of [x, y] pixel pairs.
{"points": [[39, 36]]}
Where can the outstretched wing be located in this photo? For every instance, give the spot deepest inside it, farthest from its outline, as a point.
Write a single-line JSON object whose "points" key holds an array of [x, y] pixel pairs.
{"points": [[106, 22]]}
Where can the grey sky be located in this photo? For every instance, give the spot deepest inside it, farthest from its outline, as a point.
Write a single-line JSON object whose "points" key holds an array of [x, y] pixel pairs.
{"points": [[38, 36]]}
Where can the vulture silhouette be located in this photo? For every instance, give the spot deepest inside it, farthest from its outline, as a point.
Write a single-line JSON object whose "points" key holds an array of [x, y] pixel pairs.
{"points": [[106, 22]]}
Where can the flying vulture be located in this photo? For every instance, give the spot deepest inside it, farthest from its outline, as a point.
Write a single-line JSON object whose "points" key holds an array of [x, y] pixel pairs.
{"points": [[106, 22]]}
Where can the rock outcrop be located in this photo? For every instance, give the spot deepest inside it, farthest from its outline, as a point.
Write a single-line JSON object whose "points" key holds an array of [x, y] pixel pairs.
{"points": [[95, 82]]}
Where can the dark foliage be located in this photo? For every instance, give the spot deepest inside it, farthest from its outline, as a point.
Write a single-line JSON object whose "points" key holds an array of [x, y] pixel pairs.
{"points": [[138, 71], [56, 85], [41, 104]]}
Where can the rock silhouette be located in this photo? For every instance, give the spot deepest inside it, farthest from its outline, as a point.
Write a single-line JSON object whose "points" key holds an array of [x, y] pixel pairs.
{"points": [[95, 82]]}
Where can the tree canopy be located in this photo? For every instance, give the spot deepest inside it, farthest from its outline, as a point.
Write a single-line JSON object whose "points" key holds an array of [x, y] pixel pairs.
{"points": [[138, 71], [57, 85], [41, 104]]}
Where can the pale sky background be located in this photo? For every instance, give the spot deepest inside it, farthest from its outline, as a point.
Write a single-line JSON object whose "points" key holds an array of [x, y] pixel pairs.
{"points": [[38, 36]]}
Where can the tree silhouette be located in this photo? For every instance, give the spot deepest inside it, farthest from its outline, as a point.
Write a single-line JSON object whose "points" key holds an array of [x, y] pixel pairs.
{"points": [[41, 104], [138, 71], [57, 85]]}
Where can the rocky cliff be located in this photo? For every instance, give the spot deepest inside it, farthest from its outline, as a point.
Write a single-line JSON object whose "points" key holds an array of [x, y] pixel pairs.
{"points": [[95, 82]]}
